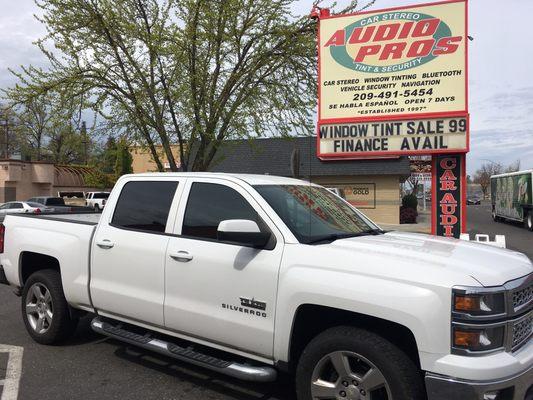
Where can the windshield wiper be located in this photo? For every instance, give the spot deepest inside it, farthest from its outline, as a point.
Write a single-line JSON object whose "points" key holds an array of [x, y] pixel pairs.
{"points": [[337, 236]]}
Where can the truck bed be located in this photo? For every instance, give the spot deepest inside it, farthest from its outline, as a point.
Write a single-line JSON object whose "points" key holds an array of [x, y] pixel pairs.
{"points": [[63, 237], [91, 218]]}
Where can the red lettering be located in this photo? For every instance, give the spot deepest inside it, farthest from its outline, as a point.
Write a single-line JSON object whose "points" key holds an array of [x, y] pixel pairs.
{"points": [[421, 48], [447, 185], [447, 219], [355, 37], [448, 163], [337, 39], [387, 32], [394, 49], [367, 51], [447, 45], [426, 27], [448, 176], [448, 199], [406, 28], [448, 208], [448, 230]]}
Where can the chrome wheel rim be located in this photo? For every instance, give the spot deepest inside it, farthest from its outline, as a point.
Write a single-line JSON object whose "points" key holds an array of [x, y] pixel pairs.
{"points": [[345, 375], [39, 308], [529, 221]]}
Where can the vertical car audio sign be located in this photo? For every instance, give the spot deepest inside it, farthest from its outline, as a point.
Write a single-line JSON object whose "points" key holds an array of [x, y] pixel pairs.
{"points": [[394, 82]]}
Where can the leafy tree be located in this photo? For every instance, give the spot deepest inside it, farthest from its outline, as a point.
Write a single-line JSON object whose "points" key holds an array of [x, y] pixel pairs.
{"points": [[191, 72], [124, 160], [109, 156]]}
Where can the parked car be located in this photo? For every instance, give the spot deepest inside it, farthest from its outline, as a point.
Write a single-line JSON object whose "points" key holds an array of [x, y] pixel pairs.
{"points": [[58, 205], [473, 200], [248, 275], [22, 207], [96, 200]]}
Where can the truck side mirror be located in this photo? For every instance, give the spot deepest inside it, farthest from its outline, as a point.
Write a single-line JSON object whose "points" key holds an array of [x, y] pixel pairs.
{"points": [[244, 232]]}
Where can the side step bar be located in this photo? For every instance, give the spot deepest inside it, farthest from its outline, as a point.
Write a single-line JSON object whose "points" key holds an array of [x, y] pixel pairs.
{"points": [[236, 370]]}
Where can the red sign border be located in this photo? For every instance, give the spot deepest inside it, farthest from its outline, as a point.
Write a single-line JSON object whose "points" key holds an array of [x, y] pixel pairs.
{"points": [[447, 114]]}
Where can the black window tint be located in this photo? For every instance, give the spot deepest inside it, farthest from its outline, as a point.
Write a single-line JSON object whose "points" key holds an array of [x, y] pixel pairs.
{"points": [[144, 205], [54, 201], [16, 206], [209, 204]]}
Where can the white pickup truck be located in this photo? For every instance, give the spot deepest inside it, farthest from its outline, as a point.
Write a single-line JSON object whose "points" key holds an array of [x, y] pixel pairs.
{"points": [[250, 275]]}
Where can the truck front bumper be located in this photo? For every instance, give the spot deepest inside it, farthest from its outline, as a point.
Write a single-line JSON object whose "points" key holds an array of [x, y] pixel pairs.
{"points": [[518, 387]]}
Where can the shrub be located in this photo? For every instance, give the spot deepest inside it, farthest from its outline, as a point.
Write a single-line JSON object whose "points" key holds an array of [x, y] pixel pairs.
{"points": [[410, 201], [407, 215]]}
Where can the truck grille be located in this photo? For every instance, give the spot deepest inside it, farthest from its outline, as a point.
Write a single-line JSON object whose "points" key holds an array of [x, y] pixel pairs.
{"points": [[522, 330], [522, 297]]}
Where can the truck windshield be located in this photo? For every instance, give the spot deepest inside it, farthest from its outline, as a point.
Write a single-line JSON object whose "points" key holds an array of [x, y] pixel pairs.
{"points": [[314, 214]]}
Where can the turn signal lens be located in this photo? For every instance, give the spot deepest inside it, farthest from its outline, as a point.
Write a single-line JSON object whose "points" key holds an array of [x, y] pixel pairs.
{"points": [[467, 303], [481, 339], [479, 304], [466, 339]]}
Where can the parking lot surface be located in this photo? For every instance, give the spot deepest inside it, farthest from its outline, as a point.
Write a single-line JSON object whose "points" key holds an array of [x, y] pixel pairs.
{"points": [[92, 367]]}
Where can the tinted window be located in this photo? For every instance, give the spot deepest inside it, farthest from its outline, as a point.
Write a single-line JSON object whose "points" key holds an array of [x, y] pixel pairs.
{"points": [[101, 196], [31, 204], [209, 204], [16, 205], [144, 205], [54, 201]]}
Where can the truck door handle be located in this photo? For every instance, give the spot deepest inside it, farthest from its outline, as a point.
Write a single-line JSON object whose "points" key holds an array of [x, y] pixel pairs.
{"points": [[105, 244], [182, 256]]}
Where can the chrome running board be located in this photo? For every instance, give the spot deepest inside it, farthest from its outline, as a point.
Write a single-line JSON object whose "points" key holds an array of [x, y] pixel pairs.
{"points": [[236, 370]]}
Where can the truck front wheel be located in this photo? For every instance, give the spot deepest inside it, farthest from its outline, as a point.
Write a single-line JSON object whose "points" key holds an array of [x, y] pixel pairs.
{"points": [[45, 310], [351, 363]]}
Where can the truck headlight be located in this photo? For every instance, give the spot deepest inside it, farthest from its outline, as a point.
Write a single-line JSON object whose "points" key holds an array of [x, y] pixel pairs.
{"points": [[478, 338], [478, 305]]}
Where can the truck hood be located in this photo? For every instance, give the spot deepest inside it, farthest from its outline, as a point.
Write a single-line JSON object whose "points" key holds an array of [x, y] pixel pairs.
{"points": [[488, 265]]}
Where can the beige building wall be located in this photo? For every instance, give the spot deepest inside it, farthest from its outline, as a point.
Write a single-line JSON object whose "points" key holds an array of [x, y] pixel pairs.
{"points": [[143, 161], [21, 180], [386, 207]]}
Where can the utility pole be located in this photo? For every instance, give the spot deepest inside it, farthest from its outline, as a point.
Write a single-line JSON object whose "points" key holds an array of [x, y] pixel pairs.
{"points": [[85, 142]]}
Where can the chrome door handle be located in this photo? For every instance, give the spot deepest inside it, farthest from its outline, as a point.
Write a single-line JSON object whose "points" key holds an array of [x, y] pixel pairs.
{"points": [[105, 244], [182, 256]]}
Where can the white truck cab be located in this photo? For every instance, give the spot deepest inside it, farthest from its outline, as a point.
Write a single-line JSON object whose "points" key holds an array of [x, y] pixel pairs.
{"points": [[96, 200], [260, 274]]}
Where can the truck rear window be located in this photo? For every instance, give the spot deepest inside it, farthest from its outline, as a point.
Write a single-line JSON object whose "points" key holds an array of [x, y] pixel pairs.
{"points": [[144, 205]]}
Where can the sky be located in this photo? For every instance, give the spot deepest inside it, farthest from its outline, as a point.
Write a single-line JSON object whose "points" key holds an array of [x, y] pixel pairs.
{"points": [[500, 67]]}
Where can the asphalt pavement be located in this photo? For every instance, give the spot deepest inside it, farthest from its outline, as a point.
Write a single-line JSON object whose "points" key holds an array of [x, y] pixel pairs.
{"points": [[479, 220], [92, 367]]}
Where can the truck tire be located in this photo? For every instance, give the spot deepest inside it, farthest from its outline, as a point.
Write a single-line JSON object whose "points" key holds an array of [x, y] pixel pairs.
{"points": [[96, 208], [45, 310], [346, 363]]}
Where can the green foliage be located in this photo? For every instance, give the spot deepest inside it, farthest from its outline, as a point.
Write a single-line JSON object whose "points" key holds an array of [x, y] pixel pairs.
{"points": [[410, 201], [124, 160], [100, 180], [191, 72]]}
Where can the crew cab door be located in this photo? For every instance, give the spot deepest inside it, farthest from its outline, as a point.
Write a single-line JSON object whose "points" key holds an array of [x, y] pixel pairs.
{"points": [[129, 249], [210, 284]]}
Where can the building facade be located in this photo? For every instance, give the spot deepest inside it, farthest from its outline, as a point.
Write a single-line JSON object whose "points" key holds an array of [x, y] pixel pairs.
{"points": [[21, 180], [373, 186]]}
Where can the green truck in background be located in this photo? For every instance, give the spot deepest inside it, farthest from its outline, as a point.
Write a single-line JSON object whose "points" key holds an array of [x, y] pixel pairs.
{"points": [[512, 197]]}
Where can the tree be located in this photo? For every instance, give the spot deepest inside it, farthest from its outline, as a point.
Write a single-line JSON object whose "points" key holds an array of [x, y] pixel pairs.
{"points": [[483, 174], [513, 167], [124, 161], [190, 72]]}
